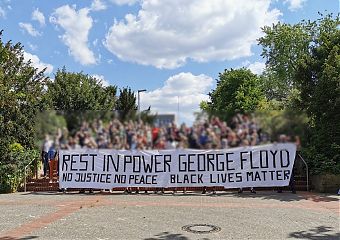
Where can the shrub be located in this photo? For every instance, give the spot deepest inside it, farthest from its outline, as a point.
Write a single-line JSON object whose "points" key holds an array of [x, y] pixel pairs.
{"points": [[12, 173]]}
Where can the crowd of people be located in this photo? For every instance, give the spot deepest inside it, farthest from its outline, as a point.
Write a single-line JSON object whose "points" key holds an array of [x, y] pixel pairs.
{"points": [[137, 135], [243, 130]]}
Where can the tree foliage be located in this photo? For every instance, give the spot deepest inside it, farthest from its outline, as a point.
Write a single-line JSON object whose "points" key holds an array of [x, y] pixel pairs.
{"points": [[318, 76], [78, 96], [79, 91], [237, 90], [276, 120], [13, 172], [302, 70], [21, 97], [48, 122], [282, 46], [25, 96], [126, 103]]}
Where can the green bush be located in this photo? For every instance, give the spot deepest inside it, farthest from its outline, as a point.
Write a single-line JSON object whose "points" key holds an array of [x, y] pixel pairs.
{"points": [[319, 163], [12, 173]]}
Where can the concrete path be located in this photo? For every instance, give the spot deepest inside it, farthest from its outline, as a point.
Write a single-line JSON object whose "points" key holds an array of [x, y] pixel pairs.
{"points": [[265, 215]]}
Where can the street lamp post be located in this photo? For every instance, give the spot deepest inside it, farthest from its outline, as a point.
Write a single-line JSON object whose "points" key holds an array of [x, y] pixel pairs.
{"points": [[138, 99]]}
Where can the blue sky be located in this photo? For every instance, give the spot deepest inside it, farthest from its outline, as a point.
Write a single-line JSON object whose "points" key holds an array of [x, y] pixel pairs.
{"points": [[173, 48]]}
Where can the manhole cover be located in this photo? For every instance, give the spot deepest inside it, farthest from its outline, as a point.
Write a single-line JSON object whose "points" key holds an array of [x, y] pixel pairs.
{"points": [[201, 228]]}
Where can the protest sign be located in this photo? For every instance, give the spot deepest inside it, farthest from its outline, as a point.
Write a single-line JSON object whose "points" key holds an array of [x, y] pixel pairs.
{"points": [[256, 166]]}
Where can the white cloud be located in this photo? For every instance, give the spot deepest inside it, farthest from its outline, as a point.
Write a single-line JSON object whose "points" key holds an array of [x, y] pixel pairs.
{"points": [[184, 88], [38, 16], [167, 33], [33, 47], [124, 2], [256, 67], [29, 29], [294, 4], [37, 63], [77, 25], [100, 78], [98, 5], [2, 13], [95, 42]]}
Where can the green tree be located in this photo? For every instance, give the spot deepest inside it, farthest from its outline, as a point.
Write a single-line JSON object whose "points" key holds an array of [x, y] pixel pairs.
{"points": [[318, 76], [303, 72], [79, 91], [22, 95], [237, 91], [282, 46], [126, 104], [79, 97]]}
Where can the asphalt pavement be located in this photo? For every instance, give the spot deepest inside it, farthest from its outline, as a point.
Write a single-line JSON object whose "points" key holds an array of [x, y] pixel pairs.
{"points": [[226, 215]]}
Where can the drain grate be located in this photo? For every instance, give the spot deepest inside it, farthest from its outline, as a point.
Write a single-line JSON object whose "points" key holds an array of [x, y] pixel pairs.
{"points": [[201, 228]]}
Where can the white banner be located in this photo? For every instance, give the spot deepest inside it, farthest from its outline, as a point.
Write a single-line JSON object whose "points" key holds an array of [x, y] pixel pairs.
{"points": [[257, 166]]}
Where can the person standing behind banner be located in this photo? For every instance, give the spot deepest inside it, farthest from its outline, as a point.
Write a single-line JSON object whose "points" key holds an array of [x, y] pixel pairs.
{"points": [[52, 160], [46, 145]]}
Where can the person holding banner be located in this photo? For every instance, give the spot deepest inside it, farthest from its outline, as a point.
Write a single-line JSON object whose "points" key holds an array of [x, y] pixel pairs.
{"points": [[127, 190], [83, 191], [252, 190]]}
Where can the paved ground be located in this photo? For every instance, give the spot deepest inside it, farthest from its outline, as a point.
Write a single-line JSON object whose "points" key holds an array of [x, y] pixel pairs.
{"points": [[265, 215]]}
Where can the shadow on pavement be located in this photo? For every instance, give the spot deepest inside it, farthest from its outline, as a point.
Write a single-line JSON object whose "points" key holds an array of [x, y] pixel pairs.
{"points": [[167, 236], [266, 195], [41, 193], [317, 233], [23, 238], [284, 197], [318, 198]]}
